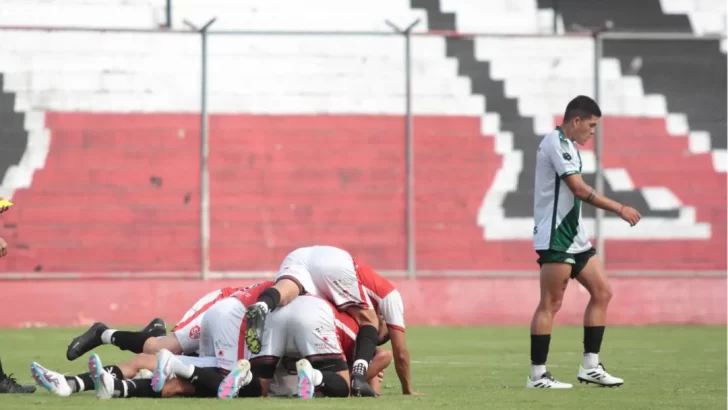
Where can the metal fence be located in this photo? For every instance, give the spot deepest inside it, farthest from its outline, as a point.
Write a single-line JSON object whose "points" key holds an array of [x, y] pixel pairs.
{"points": [[378, 103]]}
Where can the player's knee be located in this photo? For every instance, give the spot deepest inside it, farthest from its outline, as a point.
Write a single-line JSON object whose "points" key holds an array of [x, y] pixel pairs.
{"points": [[551, 303], [383, 355], [602, 296], [264, 367]]}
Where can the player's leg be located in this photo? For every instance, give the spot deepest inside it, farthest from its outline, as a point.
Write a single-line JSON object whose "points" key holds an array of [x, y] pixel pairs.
{"points": [[182, 343], [140, 362], [99, 334], [185, 337], [313, 329], [108, 385], [62, 385], [375, 374], [334, 275], [595, 280], [554, 278], [274, 340], [293, 279]]}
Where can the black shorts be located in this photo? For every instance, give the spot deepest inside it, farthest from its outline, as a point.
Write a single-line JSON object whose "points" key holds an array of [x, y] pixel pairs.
{"points": [[576, 260]]}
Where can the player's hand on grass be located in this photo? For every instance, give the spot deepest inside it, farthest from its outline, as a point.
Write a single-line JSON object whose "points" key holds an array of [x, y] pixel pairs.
{"points": [[630, 215], [3, 247]]}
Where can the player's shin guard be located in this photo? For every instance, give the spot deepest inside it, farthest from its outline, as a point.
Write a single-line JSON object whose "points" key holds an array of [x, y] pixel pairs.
{"points": [[539, 354], [366, 346], [136, 388], [131, 341], [593, 336], [333, 385]]}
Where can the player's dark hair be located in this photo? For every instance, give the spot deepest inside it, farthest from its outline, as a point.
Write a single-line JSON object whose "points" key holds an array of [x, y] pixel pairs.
{"points": [[582, 107]]}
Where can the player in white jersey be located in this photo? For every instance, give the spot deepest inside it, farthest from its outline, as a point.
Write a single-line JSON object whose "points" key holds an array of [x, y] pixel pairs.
{"points": [[306, 327], [352, 287], [563, 246], [185, 337]]}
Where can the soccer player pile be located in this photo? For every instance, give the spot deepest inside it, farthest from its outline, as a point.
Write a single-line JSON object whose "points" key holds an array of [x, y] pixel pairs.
{"points": [[314, 332]]}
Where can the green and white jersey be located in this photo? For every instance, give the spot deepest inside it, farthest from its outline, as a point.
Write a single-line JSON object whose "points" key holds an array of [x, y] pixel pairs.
{"points": [[558, 225]]}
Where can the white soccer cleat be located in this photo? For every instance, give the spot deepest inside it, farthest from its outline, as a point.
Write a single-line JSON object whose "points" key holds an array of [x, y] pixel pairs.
{"points": [[54, 382], [546, 381], [238, 378], [163, 370], [598, 375], [306, 388], [104, 386]]}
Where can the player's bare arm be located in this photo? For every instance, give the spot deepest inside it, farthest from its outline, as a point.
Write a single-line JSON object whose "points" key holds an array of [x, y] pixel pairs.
{"points": [[586, 193], [3, 247], [402, 360]]}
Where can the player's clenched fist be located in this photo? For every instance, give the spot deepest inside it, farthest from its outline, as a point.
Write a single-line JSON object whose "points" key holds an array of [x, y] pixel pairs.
{"points": [[630, 215], [3, 247]]}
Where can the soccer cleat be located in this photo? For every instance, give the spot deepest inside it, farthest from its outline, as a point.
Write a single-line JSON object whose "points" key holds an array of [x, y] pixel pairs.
{"points": [[238, 378], [305, 389], [163, 370], [104, 386], [103, 380], [254, 328], [8, 384], [598, 375], [88, 341], [156, 327], [547, 381], [360, 387], [54, 382]]}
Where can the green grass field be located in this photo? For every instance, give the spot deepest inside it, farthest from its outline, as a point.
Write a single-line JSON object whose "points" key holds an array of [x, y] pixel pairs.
{"points": [[478, 367]]}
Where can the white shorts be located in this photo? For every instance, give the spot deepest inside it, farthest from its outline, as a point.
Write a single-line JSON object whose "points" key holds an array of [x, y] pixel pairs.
{"points": [[187, 330], [207, 361], [220, 334], [328, 272], [306, 327]]}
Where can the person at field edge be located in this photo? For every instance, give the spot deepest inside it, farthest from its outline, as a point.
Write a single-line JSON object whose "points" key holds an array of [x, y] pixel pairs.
{"points": [[8, 384], [563, 246]]}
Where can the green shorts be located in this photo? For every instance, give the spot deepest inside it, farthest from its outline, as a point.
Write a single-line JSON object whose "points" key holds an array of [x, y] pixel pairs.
{"points": [[576, 260]]}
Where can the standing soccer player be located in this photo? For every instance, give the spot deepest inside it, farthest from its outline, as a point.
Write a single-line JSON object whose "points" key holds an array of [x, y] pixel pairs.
{"points": [[563, 246]]}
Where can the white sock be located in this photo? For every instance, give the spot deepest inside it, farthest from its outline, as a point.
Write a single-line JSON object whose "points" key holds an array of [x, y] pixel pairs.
{"points": [[182, 370], [318, 378], [81, 385], [263, 306], [360, 366], [591, 360], [537, 370], [106, 336]]}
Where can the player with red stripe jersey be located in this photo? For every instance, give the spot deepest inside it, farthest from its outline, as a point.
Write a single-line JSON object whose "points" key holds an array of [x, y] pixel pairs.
{"points": [[351, 286], [221, 343], [185, 337]]}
